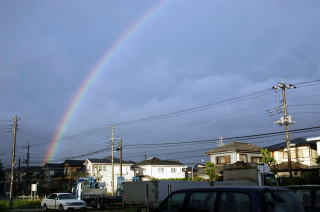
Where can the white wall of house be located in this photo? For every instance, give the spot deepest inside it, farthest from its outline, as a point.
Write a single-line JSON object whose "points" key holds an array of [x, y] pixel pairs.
{"points": [[104, 172], [162, 171], [234, 157], [303, 154], [318, 148]]}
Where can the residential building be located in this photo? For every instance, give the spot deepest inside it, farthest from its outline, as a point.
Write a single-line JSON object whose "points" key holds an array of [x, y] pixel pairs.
{"points": [[315, 140], [302, 151], [234, 152], [159, 169], [101, 169], [52, 171]]}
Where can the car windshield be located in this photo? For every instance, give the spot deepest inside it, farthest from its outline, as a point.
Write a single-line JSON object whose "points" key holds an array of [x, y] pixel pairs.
{"points": [[66, 196]]}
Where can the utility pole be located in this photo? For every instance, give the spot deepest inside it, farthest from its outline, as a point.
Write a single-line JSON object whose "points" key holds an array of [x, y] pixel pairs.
{"points": [[112, 157], [13, 159], [28, 155], [121, 157], [286, 120]]}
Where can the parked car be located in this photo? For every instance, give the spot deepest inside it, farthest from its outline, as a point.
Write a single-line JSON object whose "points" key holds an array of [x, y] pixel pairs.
{"points": [[233, 199], [62, 201], [309, 196]]}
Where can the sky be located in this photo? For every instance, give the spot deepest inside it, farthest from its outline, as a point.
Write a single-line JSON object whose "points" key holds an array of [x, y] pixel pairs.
{"points": [[177, 55]]}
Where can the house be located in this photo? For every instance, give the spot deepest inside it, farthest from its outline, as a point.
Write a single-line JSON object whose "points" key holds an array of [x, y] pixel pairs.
{"points": [[234, 152], [302, 151], [315, 140], [72, 170], [159, 169], [51, 175], [101, 169]]}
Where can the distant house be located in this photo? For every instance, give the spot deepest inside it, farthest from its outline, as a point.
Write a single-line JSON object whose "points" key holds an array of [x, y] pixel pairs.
{"points": [[302, 151], [71, 168], [52, 171], [101, 169], [159, 169], [71, 171], [315, 140], [234, 152]]}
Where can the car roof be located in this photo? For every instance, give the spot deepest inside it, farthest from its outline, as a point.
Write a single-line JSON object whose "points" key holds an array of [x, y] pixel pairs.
{"points": [[234, 188], [302, 186]]}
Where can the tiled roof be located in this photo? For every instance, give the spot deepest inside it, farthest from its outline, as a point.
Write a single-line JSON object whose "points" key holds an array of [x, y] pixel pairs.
{"points": [[157, 161], [53, 165], [108, 160], [296, 142], [294, 165], [236, 147], [74, 162]]}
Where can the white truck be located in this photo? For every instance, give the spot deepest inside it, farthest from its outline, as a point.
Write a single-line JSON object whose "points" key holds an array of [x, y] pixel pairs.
{"points": [[247, 174], [148, 194]]}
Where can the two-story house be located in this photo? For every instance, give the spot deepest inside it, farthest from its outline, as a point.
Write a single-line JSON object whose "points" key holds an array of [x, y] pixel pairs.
{"points": [[101, 169], [234, 152], [51, 174], [302, 151], [159, 169]]}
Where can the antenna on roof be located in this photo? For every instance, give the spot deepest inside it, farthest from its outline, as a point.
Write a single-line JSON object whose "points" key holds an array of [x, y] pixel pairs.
{"points": [[220, 142]]}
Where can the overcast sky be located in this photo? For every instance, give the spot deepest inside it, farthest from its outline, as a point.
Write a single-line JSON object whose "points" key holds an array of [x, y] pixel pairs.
{"points": [[186, 54]]}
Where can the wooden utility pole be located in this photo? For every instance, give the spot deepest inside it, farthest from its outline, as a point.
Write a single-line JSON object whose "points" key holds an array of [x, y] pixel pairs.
{"points": [[13, 159], [286, 120]]}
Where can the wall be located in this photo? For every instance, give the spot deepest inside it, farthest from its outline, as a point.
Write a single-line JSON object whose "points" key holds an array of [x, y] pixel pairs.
{"points": [[162, 171]]}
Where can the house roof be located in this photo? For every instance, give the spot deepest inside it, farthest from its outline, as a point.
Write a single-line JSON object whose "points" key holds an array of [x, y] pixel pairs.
{"points": [[74, 162], [296, 142], [236, 147], [53, 165], [108, 160], [157, 161]]}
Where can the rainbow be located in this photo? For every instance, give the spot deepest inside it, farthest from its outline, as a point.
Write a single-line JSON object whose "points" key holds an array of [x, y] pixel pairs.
{"points": [[92, 75]]}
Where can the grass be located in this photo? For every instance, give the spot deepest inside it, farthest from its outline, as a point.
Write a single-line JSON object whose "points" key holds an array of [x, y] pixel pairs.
{"points": [[18, 203]]}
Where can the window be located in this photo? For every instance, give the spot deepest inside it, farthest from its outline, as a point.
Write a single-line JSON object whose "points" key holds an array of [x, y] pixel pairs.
{"points": [[104, 168], [243, 158], [292, 153], [174, 203], [202, 201], [52, 196], [317, 198], [303, 153], [231, 201], [278, 201], [173, 170], [51, 172], [256, 159], [161, 170], [305, 197], [223, 159]]}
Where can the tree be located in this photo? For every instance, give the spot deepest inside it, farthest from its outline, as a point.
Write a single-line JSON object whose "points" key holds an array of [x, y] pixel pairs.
{"points": [[97, 173], [211, 171], [267, 157]]}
